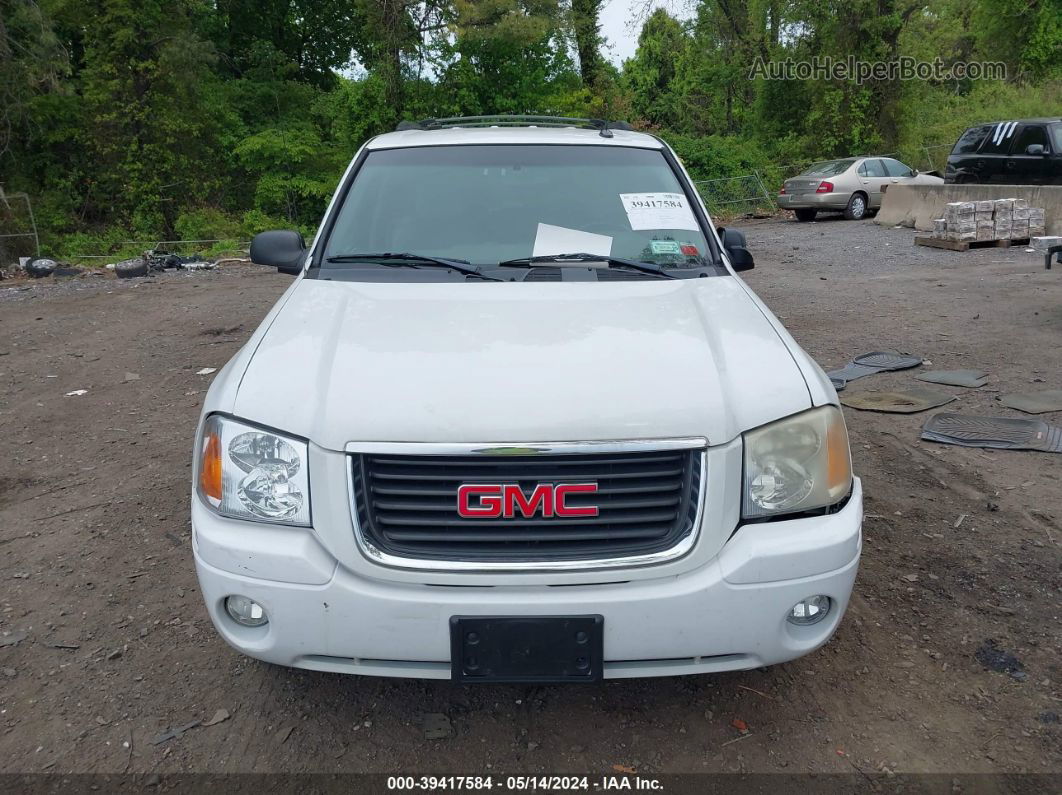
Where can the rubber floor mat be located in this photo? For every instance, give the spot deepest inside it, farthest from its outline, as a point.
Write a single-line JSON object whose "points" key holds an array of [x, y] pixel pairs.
{"points": [[971, 379], [904, 401], [1001, 433], [870, 363], [1034, 402]]}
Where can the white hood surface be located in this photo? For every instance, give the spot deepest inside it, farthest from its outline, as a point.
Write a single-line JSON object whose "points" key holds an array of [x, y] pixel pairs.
{"points": [[519, 362]]}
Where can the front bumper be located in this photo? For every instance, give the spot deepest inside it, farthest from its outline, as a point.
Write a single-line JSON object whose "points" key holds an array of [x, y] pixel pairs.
{"points": [[814, 201], [729, 614]]}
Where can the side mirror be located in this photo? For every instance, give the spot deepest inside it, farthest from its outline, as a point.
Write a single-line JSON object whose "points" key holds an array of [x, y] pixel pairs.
{"points": [[283, 249], [735, 245], [915, 172], [1035, 149]]}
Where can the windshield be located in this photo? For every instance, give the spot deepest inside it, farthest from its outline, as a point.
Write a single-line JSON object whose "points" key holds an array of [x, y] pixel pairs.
{"points": [[828, 168], [486, 204]]}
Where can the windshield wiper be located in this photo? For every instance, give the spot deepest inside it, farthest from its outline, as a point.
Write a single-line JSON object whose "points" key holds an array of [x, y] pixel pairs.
{"points": [[613, 262], [391, 259]]}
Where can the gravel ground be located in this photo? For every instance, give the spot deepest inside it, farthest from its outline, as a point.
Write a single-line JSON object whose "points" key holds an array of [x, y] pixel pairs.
{"points": [[959, 579]]}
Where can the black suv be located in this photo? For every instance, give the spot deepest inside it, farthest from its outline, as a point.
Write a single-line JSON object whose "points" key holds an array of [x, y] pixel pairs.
{"points": [[1027, 152]]}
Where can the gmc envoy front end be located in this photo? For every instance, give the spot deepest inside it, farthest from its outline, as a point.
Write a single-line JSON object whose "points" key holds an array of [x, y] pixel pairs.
{"points": [[517, 419]]}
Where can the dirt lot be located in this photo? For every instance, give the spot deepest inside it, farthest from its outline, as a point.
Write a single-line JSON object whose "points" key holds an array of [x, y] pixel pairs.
{"points": [[96, 569]]}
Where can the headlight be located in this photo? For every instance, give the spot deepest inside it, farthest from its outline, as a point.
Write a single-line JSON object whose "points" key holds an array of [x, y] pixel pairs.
{"points": [[249, 473], [797, 464]]}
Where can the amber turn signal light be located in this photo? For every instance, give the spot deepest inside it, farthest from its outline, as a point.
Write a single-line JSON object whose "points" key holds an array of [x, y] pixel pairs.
{"points": [[210, 464]]}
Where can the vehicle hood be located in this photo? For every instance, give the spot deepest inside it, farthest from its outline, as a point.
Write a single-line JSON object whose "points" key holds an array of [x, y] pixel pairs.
{"points": [[519, 362]]}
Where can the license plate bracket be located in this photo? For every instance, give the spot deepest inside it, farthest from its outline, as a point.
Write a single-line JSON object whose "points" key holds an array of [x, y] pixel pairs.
{"points": [[526, 649]]}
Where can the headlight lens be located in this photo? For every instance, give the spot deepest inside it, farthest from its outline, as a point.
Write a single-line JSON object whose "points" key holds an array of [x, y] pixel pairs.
{"points": [[249, 473], [797, 464]]}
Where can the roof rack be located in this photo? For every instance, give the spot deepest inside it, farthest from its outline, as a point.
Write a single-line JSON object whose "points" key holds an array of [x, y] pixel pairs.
{"points": [[603, 126]]}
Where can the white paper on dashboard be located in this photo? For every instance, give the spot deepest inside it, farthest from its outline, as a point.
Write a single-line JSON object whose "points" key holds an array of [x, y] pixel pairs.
{"points": [[658, 211], [551, 240]]}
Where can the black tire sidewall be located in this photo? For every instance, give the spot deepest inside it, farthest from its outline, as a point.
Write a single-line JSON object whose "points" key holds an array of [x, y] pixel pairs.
{"points": [[127, 270], [848, 212], [35, 272]]}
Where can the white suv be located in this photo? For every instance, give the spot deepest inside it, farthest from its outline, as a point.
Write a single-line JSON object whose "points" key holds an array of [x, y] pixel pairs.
{"points": [[517, 419]]}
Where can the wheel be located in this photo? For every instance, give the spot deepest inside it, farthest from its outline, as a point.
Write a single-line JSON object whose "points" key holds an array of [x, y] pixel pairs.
{"points": [[39, 267], [130, 268], [806, 214], [857, 207]]}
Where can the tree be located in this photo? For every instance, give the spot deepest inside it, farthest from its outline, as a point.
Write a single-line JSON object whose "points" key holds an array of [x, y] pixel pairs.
{"points": [[651, 76], [32, 63], [1025, 34], [149, 130], [315, 36], [507, 56], [391, 35], [587, 30]]}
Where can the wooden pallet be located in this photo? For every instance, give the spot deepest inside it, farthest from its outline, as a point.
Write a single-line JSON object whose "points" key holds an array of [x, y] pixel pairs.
{"points": [[965, 245]]}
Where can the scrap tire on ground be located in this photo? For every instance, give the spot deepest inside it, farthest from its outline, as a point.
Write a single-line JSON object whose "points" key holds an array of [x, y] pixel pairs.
{"points": [[806, 214], [857, 207], [131, 268], [39, 267]]}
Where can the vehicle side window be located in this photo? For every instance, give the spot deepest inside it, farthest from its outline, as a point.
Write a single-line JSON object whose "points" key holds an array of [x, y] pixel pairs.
{"points": [[998, 142], [897, 169], [1029, 135], [873, 168], [971, 140], [1056, 132]]}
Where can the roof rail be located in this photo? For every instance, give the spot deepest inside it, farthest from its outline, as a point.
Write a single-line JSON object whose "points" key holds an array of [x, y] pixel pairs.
{"points": [[604, 126]]}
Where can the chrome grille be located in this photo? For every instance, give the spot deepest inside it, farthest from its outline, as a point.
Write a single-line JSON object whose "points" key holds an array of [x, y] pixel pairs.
{"points": [[647, 501]]}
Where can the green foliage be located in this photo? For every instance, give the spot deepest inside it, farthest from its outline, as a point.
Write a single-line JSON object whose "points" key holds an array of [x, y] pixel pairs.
{"points": [[207, 223], [493, 76], [651, 76], [717, 156], [355, 111], [146, 128], [586, 31], [1025, 34], [207, 119], [311, 37], [32, 61], [255, 221], [296, 172]]}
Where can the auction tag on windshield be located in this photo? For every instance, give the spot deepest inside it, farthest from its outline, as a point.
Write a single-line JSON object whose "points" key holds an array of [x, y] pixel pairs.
{"points": [[658, 211], [664, 247]]}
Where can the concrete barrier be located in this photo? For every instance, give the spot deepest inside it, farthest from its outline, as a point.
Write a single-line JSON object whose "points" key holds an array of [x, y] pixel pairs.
{"points": [[918, 205]]}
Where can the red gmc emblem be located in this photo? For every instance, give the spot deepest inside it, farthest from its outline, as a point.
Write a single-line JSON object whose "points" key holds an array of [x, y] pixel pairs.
{"points": [[494, 500]]}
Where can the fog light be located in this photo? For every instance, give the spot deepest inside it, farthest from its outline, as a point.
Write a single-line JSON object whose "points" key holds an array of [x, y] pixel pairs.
{"points": [[809, 611], [245, 611]]}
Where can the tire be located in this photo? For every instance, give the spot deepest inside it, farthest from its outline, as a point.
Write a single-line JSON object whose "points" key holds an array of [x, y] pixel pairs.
{"points": [[806, 214], [131, 268], [39, 267], [857, 207]]}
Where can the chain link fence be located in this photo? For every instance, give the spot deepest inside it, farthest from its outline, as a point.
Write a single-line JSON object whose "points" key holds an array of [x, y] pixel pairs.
{"points": [[936, 157], [732, 196], [18, 228], [126, 249]]}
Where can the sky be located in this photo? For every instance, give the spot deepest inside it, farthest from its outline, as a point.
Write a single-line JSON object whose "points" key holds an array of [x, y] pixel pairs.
{"points": [[615, 19]]}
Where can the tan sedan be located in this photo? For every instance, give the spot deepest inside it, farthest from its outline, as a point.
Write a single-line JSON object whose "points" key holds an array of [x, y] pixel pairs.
{"points": [[852, 185]]}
